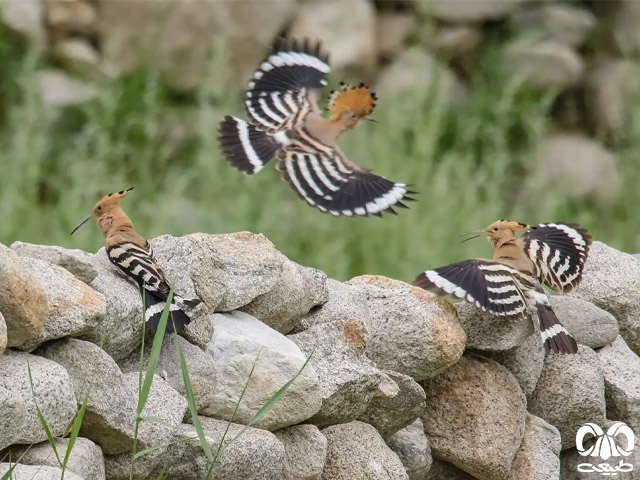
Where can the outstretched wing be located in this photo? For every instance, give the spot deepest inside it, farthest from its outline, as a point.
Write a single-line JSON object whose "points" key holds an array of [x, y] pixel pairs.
{"points": [[138, 263], [289, 82], [329, 182], [559, 251], [491, 286]]}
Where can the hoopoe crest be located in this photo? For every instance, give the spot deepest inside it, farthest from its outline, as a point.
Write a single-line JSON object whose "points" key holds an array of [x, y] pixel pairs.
{"points": [[132, 254], [286, 122], [511, 284]]}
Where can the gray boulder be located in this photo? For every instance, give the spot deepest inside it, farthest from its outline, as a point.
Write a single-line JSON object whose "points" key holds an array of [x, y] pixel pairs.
{"points": [[590, 325], [412, 331], [566, 23], [524, 361], [25, 19], [52, 390], [412, 447], [445, 471], [463, 11], [621, 368], [537, 458], [491, 333], [110, 413], [348, 380], [85, 460], [80, 263], [305, 450], [570, 392], [37, 472], [356, 450], [612, 282], [475, 417], [398, 401], [241, 343]]}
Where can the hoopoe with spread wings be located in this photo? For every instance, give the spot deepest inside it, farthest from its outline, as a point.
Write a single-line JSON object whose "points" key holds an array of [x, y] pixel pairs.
{"points": [[282, 103], [132, 254], [510, 284]]}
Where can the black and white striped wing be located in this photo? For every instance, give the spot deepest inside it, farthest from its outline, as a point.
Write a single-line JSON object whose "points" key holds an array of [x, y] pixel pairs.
{"points": [[491, 286], [559, 252], [286, 84], [138, 263], [333, 185]]}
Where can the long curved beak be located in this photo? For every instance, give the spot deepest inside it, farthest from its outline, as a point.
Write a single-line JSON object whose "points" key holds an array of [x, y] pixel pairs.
{"points": [[475, 234], [369, 119], [82, 223]]}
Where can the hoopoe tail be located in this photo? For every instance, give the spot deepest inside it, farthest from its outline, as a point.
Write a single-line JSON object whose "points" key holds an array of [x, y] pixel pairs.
{"points": [[554, 336], [245, 147], [178, 318]]}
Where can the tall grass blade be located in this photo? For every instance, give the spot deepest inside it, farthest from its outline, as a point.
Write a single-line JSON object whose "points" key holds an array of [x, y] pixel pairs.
{"points": [[191, 400], [75, 430], [7, 475], [43, 421]]}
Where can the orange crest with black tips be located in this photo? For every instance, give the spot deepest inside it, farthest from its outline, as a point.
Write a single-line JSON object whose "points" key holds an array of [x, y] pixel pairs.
{"points": [[360, 100]]}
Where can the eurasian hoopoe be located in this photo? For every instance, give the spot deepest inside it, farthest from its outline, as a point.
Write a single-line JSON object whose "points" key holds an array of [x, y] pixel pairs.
{"points": [[510, 284], [286, 121], [132, 254]]}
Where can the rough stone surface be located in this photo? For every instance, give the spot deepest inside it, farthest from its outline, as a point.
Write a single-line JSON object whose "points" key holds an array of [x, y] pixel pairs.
{"points": [[238, 340], [546, 64], [256, 455], [25, 18], [392, 31], [398, 401], [200, 365], [79, 56], [347, 30], [491, 333], [173, 41], [417, 73], [454, 40], [60, 90], [78, 262], [345, 304], [52, 390], [305, 452], [537, 458], [65, 17], [297, 291], [445, 471], [464, 11], [37, 472], [348, 380], [582, 166], [412, 331], [3, 334], [121, 332], [356, 450], [475, 417], [412, 447], [563, 22], [625, 26], [74, 307], [612, 282], [525, 361], [570, 392], [110, 413], [590, 325], [23, 301], [621, 368], [86, 459]]}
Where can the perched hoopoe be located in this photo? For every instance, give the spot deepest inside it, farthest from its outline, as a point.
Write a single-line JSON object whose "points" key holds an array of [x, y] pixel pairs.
{"points": [[132, 254], [286, 122], [511, 283]]}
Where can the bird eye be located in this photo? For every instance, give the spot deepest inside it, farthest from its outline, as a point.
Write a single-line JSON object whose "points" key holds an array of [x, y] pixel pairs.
{"points": [[495, 229], [100, 207]]}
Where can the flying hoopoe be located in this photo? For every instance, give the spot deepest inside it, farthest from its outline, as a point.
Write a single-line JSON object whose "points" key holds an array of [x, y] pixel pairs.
{"points": [[132, 254], [510, 284], [282, 103]]}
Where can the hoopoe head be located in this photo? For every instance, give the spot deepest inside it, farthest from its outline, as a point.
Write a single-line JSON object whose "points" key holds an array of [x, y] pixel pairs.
{"points": [[351, 104], [108, 213], [500, 232]]}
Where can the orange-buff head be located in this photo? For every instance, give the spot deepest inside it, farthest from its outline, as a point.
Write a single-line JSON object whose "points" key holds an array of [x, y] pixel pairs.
{"points": [[499, 231], [351, 104], [108, 213]]}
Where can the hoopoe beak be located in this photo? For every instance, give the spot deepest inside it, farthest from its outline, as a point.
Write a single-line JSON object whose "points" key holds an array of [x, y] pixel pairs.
{"points": [[475, 234], [369, 119], [82, 223]]}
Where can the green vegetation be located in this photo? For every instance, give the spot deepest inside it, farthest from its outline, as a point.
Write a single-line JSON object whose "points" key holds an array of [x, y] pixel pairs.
{"points": [[468, 165]]}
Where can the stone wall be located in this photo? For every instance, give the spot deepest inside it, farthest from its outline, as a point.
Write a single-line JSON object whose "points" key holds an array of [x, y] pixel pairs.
{"points": [[400, 385]]}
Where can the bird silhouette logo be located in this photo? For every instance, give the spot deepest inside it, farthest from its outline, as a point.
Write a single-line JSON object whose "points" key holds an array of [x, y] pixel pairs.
{"points": [[605, 446]]}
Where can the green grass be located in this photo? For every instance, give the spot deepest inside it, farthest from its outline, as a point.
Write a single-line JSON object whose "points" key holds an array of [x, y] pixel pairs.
{"points": [[468, 165]]}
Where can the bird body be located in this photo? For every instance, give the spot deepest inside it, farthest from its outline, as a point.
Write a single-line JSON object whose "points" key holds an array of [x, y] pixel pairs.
{"points": [[511, 283], [286, 122], [132, 254]]}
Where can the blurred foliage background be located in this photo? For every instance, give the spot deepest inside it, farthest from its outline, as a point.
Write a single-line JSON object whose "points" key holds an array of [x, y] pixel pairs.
{"points": [[472, 164]]}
